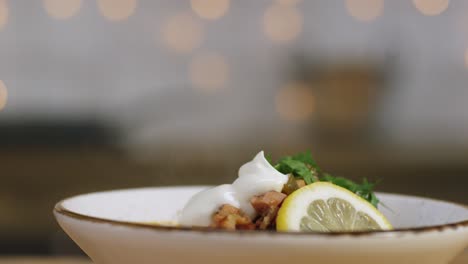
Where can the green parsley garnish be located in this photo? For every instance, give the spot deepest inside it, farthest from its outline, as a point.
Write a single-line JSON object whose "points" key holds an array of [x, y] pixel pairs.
{"points": [[365, 189], [303, 166]]}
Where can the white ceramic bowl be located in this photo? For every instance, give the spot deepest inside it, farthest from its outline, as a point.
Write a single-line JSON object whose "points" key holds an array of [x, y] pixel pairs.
{"points": [[115, 227]]}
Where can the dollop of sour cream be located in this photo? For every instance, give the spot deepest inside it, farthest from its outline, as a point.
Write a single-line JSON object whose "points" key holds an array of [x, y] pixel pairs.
{"points": [[255, 177]]}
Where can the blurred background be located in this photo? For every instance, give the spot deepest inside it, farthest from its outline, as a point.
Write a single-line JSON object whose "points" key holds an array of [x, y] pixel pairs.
{"points": [[104, 94]]}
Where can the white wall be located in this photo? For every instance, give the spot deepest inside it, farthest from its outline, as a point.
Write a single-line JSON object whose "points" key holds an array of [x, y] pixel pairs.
{"points": [[89, 66]]}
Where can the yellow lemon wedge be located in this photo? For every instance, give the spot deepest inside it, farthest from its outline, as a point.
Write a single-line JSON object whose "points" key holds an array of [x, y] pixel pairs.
{"points": [[325, 207]]}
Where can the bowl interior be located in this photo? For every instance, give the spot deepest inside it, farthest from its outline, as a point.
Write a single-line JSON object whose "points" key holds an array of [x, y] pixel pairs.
{"points": [[150, 205]]}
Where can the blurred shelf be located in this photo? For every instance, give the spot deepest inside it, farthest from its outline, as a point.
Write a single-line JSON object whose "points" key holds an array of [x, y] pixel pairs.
{"points": [[461, 259], [44, 260], [56, 133]]}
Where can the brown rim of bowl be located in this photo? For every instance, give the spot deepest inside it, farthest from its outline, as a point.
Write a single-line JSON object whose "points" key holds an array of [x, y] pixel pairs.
{"points": [[59, 209]]}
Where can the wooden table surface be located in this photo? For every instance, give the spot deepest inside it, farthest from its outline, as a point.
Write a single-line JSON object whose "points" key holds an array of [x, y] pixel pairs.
{"points": [[462, 259]]}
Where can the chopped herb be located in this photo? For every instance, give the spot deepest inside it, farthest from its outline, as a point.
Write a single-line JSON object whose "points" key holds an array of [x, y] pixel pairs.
{"points": [[303, 166], [306, 158], [365, 189], [269, 159]]}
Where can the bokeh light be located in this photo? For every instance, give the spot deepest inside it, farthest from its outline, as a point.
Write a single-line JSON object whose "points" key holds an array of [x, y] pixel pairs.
{"points": [[365, 10], [431, 7], [295, 102], [210, 9], [62, 9], [3, 13], [182, 33], [117, 10], [209, 71], [282, 23], [3, 95]]}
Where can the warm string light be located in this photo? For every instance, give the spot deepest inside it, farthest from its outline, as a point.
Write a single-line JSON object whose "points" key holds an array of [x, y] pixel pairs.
{"points": [[209, 72], [117, 10], [210, 9], [365, 10], [295, 102], [182, 33], [282, 23], [3, 95], [62, 9], [3, 13], [431, 7]]}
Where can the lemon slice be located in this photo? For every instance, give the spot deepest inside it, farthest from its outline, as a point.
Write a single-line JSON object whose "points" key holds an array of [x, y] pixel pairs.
{"points": [[325, 207]]}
